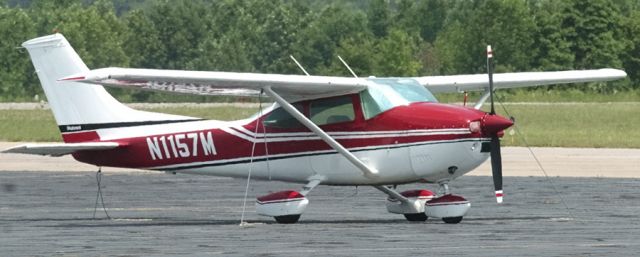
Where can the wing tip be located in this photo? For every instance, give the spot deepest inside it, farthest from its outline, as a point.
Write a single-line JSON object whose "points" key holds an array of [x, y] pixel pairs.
{"points": [[618, 73]]}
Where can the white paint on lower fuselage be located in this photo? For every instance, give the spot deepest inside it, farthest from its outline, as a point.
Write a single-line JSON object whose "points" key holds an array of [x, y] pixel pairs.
{"points": [[394, 165]]}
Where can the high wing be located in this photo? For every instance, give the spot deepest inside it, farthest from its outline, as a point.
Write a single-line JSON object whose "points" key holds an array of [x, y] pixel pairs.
{"points": [[459, 83], [222, 83], [60, 149], [296, 87]]}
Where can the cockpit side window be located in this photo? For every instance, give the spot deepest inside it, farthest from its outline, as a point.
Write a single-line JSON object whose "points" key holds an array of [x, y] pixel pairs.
{"points": [[332, 110], [279, 118], [386, 93]]}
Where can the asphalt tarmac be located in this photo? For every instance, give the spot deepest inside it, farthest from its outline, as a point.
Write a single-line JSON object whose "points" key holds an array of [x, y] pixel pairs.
{"points": [[51, 214]]}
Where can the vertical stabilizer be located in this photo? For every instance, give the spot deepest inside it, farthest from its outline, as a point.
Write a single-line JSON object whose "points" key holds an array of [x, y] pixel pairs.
{"points": [[75, 105]]}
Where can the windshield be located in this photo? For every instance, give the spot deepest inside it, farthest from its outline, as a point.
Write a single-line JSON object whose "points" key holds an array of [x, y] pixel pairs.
{"points": [[387, 93]]}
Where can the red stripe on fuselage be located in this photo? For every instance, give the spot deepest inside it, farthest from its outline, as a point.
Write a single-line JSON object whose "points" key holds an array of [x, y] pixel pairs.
{"points": [[402, 119], [138, 154]]}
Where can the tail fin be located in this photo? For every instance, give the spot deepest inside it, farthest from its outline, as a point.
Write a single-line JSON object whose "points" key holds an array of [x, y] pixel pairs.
{"points": [[80, 106]]}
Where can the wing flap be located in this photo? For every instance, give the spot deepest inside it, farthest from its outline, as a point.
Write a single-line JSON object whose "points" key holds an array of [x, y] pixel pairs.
{"points": [[61, 148], [221, 83], [459, 83]]}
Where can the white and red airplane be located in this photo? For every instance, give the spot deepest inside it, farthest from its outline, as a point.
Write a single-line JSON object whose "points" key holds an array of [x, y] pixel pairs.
{"points": [[321, 130]]}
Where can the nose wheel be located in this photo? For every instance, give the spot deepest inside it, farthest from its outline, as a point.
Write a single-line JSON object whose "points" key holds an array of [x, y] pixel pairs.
{"points": [[422, 204], [416, 216], [449, 207]]}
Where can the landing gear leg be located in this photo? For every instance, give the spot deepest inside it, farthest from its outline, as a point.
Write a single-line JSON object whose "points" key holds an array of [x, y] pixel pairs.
{"points": [[413, 206], [444, 188]]}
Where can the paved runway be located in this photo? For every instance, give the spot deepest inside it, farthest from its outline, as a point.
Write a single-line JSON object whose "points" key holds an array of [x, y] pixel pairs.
{"points": [[517, 161], [50, 213]]}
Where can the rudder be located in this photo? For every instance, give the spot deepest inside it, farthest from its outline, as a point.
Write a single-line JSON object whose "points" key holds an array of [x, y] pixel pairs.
{"points": [[76, 105]]}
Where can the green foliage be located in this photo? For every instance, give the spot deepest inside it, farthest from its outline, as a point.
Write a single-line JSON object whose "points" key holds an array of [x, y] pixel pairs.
{"points": [[506, 25], [15, 70], [426, 17], [378, 16], [594, 26], [554, 50], [180, 26], [376, 38], [396, 55], [631, 57], [142, 41], [358, 52], [317, 44]]}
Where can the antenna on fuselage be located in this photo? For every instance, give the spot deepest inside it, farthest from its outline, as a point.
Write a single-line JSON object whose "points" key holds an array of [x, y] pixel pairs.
{"points": [[347, 65], [299, 65]]}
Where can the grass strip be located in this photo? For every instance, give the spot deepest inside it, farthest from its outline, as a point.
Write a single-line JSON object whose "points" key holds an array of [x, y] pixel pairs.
{"points": [[602, 125]]}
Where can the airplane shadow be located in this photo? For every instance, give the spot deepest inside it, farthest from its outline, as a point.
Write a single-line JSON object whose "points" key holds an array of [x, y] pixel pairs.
{"points": [[164, 221]]}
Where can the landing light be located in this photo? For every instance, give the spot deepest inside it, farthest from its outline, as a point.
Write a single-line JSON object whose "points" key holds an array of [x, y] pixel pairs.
{"points": [[474, 126]]}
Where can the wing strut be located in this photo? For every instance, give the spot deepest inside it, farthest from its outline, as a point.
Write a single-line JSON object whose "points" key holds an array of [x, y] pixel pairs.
{"points": [[483, 99], [366, 170]]}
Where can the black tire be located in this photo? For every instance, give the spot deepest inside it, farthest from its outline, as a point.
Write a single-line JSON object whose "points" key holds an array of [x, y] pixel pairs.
{"points": [[287, 219], [416, 216], [452, 220]]}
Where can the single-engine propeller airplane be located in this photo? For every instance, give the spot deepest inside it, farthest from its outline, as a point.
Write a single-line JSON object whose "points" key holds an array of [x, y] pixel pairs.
{"points": [[321, 130]]}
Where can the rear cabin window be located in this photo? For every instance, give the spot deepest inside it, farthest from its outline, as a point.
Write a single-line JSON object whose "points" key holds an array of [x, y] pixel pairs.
{"points": [[280, 118], [332, 110]]}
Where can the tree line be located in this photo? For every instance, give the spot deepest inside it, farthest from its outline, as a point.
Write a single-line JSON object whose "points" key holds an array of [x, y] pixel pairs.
{"points": [[376, 38]]}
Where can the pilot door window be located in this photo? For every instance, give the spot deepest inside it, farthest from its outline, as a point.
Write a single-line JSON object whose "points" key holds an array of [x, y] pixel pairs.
{"points": [[279, 118], [332, 110]]}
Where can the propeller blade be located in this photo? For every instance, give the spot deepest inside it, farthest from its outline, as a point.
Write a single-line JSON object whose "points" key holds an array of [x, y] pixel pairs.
{"points": [[496, 167], [496, 156], [490, 72]]}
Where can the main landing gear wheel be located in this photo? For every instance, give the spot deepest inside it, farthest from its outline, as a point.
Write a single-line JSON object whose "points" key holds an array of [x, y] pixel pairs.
{"points": [[284, 206], [290, 219], [416, 216], [452, 220]]}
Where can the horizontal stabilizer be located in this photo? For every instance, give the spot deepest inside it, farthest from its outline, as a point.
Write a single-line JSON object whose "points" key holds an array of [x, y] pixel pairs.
{"points": [[60, 149]]}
